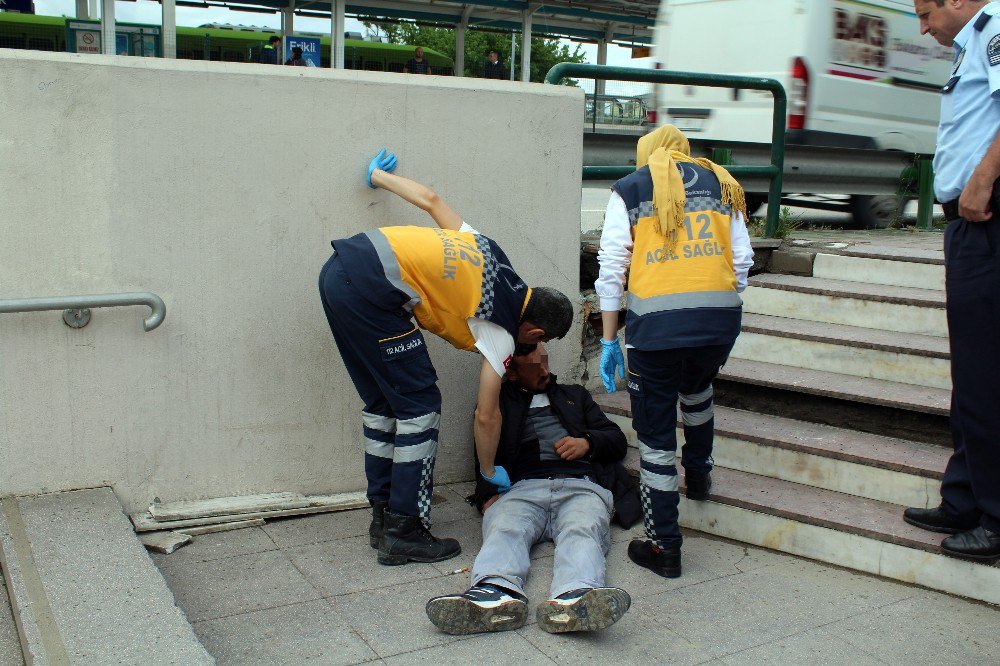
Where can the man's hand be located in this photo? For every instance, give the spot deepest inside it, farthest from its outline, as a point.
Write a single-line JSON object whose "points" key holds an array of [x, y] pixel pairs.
{"points": [[498, 478], [974, 204], [490, 502], [571, 448], [384, 161]]}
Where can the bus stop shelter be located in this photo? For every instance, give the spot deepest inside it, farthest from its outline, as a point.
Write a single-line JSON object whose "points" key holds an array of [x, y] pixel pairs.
{"points": [[625, 22]]}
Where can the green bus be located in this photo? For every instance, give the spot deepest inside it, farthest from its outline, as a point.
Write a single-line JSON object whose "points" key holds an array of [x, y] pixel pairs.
{"points": [[57, 33]]}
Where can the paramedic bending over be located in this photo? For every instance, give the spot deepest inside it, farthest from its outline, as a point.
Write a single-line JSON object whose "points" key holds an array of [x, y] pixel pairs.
{"points": [[457, 284], [680, 224]]}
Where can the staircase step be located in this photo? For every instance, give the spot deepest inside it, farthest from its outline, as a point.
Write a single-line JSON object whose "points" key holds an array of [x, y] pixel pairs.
{"points": [[897, 357], [83, 588], [930, 346], [843, 387], [901, 254], [853, 532], [873, 306], [846, 461], [886, 272]]}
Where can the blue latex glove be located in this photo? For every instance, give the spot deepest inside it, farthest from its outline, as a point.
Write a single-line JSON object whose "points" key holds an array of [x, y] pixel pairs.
{"points": [[385, 161], [611, 361], [500, 479]]}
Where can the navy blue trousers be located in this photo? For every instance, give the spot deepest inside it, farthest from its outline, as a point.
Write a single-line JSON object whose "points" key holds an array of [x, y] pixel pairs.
{"points": [[386, 358], [971, 485], [656, 380]]}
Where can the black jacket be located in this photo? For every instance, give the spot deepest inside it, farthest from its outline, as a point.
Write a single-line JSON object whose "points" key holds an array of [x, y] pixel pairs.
{"points": [[579, 414], [494, 70]]}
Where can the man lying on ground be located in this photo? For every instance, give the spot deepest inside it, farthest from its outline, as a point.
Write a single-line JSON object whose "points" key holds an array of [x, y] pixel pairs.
{"points": [[552, 436]]}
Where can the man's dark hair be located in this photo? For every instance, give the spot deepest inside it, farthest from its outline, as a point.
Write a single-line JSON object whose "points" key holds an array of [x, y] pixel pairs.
{"points": [[549, 310], [274, 38], [524, 348], [497, 53]]}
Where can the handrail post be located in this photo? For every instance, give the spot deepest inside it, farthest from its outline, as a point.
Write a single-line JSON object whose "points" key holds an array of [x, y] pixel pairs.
{"points": [[777, 168], [925, 194]]}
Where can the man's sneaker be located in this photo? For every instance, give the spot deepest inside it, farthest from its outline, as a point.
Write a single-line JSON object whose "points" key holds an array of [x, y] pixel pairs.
{"points": [[586, 609], [379, 508], [407, 539], [479, 609], [663, 561], [696, 486]]}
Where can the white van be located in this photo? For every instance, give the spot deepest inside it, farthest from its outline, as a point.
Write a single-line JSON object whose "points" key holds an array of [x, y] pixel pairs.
{"points": [[858, 73]]}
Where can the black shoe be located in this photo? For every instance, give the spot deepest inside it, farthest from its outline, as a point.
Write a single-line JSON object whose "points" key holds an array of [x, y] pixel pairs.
{"points": [[379, 507], [977, 544], [936, 520], [479, 609], [406, 539], [696, 486], [663, 561], [586, 609]]}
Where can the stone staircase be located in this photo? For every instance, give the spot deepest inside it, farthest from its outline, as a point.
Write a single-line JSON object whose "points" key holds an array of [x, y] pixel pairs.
{"points": [[831, 418]]}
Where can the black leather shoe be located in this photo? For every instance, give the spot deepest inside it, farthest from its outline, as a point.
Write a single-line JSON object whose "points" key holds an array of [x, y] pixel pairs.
{"points": [[978, 544], [379, 507], [663, 561], [407, 539], [936, 520], [696, 486]]}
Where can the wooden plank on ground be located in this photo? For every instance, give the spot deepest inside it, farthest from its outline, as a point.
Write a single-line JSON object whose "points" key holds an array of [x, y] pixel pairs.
{"points": [[144, 522], [224, 527], [226, 506]]}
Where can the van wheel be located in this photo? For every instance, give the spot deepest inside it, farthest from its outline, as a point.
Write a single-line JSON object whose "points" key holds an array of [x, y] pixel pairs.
{"points": [[754, 203], [876, 212]]}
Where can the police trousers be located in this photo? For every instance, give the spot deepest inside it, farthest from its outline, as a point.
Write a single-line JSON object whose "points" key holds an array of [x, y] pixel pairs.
{"points": [[971, 486], [656, 380], [387, 360]]}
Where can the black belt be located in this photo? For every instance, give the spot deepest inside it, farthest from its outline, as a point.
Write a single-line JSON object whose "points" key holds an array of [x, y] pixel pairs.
{"points": [[569, 476], [950, 210]]}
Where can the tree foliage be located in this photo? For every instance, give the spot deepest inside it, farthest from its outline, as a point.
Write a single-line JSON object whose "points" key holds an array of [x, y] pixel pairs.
{"points": [[544, 52]]}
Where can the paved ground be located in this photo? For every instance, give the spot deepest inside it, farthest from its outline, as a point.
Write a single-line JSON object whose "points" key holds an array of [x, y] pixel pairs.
{"points": [[308, 590]]}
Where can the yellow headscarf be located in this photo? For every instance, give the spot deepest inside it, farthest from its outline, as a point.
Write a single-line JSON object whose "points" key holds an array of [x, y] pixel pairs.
{"points": [[661, 149]]}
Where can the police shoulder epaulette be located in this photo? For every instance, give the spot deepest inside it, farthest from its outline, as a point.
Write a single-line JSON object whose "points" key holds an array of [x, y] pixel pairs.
{"points": [[981, 22]]}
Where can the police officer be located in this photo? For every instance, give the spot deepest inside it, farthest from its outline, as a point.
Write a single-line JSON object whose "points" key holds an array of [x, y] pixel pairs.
{"points": [[967, 165], [459, 285], [680, 224]]}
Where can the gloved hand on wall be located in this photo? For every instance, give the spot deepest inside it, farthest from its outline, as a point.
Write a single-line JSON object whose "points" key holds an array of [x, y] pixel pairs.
{"points": [[611, 361], [384, 161]]}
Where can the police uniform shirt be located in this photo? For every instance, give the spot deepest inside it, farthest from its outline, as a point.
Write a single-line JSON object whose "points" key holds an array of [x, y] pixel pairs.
{"points": [[970, 104], [616, 253]]}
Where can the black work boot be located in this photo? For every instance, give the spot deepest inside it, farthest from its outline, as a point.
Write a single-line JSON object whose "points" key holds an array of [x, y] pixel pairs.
{"points": [[379, 508], [696, 486], [663, 561], [406, 539]]}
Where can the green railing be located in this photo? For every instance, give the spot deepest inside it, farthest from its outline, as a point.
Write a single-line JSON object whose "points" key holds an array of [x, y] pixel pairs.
{"points": [[774, 172]]}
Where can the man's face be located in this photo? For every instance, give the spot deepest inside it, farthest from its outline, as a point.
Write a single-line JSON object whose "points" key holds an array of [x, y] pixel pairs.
{"points": [[493, 56], [946, 21], [531, 372], [419, 53]]}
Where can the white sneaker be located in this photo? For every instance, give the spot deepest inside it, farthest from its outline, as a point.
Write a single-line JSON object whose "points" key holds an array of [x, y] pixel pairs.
{"points": [[479, 609], [586, 609]]}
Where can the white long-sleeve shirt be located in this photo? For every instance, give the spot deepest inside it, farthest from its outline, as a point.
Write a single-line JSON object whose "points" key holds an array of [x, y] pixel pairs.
{"points": [[616, 253]]}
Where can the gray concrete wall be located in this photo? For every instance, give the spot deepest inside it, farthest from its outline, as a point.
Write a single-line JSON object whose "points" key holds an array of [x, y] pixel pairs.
{"points": [[219, 186]]}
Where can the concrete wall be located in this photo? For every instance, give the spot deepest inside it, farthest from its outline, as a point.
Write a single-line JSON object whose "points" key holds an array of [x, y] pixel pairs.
{"points": [[219, 186]]}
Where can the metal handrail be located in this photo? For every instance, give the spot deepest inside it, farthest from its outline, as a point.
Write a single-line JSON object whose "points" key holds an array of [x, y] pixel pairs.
{"points": [[775, 172], [82, 303]]}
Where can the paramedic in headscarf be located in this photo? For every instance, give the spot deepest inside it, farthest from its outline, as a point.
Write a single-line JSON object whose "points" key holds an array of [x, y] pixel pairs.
{"points": [[684, 222]]}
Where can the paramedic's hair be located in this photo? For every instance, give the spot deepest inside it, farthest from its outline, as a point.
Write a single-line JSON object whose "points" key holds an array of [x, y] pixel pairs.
{"points": [[549, 310]]}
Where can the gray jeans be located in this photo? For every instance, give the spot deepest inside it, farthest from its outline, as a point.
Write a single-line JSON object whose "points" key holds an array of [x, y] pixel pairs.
{"points": [[574, 513]]}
